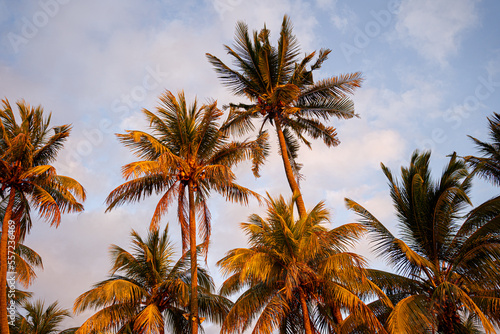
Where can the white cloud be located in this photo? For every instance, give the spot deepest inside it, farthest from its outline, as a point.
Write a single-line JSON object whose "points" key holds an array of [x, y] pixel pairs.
{"points": [[355, 154], [435, 28]]}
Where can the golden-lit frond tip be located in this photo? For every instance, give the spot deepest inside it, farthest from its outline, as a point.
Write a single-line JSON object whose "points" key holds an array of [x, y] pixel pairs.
{"points": [[140, 168], [46, 205], [106, 293], [149, 320], [135, 135], [46, 171], [73, 186], [162, 206], [410, 313], [412, 256], [107, 320]]}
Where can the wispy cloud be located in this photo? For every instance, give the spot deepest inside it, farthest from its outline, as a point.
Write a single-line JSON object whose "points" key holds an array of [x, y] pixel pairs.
{"points": [[434, 28]]}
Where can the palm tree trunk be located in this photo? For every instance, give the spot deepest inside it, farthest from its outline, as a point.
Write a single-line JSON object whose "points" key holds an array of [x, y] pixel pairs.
{"points": [[4, 320], [294, 186], [448, 318], [194, 263], [305, 312]]}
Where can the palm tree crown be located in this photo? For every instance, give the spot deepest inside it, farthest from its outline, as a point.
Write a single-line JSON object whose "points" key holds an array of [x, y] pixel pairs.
{"points": [[28, 181], [185, 148], [297, 272], [282, 92], [147, 291], [41, 320], [445, 270], [26, 150]]}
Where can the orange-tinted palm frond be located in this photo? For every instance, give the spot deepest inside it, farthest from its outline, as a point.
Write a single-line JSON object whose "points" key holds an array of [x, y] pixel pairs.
{"points": [[138, 169], [163, 204], [134, 190], [46, 205]]}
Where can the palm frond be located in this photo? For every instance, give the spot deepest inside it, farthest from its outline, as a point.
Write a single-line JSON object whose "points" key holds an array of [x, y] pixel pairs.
{"points": [[135, 189], [410, 315], [149, 320]]}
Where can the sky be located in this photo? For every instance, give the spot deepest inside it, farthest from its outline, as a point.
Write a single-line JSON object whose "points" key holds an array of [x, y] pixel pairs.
{"points": [[432, 77]]}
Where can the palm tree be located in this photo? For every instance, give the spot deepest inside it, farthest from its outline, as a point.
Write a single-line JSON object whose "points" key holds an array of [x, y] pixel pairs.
{"points": [[41, 320], [447, 268], [186, 155], [147, 291], [488, 166], [282, 92], [298, 273], [28, 181]]}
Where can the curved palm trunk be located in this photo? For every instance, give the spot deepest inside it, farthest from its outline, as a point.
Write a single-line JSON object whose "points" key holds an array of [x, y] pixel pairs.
{"points": [[4, 320], [305, 312], [194, 263], [294, 186]]}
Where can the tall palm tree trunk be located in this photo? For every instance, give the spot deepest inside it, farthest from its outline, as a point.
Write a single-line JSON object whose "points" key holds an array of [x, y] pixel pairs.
{"points": [[4, 320], [294, 186], [194, 263], [305, 312]]}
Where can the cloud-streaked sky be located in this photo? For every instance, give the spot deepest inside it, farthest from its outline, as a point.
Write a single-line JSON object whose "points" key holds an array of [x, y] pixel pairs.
{"points": [[432, 76]]}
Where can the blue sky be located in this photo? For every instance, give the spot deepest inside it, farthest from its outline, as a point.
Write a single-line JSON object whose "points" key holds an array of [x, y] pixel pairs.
{"points": [[432, 76]]}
